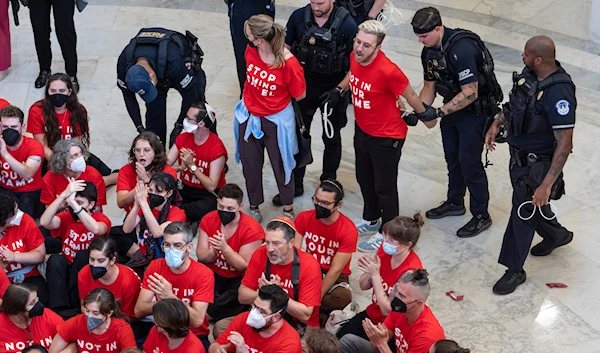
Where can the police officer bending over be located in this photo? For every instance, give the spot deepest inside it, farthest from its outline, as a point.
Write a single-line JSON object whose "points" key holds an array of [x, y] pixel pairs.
{"points": [[457, 66], [156, 60], [320, 35], [539, 119]]}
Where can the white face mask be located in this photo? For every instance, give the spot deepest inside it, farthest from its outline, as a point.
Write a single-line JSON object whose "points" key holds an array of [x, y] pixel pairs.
{"points": [[256, 320], [17, 218], [189, 127], [78, 165]]}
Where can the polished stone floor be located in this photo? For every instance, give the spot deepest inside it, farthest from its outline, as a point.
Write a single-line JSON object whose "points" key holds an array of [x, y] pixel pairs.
{"points": [[533, 319]]}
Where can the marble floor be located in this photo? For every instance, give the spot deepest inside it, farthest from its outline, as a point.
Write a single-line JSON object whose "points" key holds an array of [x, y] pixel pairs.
{"points": [[533, 319]]}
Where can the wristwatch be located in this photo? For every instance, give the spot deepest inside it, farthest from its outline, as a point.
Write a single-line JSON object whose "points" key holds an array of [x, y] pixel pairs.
{"points": [[341, 90], [193, 168], [439, 113]]}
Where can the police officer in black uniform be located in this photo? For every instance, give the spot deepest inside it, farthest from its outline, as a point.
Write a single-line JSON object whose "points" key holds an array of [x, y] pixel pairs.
{"points": [[454, 67], [156, 60], [362, 10], [320, 35], [539, 119]]}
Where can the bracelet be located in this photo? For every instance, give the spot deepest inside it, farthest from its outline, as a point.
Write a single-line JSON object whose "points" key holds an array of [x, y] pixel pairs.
{"points": [[78, 212]]}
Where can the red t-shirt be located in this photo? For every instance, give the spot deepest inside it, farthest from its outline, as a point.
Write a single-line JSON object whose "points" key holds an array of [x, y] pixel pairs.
{"points": [[4, 283], [9, 179], [196, 284], [417, 337], [175, 214], [126, 287], [268, 90], [248, 231], [158, 341], [389, 277], [41, 330], [22, 238], [285, 340], [36, 123], [3, 103], [128, 179], [54, 184], [75, 235], [324, 241], [375, 89], [210, 150], [309, 283], [118, 336]]}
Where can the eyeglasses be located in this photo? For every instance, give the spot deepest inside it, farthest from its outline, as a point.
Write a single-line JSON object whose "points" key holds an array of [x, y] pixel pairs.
{"points": [[323, 203], [261, 311], [177, 246]]}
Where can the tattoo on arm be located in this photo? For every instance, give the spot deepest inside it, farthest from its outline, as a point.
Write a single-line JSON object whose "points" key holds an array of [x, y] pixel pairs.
{"points": [[564, 146], [465, 97]]}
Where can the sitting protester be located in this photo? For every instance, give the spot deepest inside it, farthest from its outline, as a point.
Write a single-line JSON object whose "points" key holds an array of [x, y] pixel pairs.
{"points": [[24, 320], [4, 283], [319, 340], [447, 346], [77, 227], [21, 158]]}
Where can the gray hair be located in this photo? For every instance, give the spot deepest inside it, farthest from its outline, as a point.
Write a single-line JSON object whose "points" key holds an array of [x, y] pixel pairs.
{"points": [[373, 27], [180, 227], [58, 162], [420, 281]]}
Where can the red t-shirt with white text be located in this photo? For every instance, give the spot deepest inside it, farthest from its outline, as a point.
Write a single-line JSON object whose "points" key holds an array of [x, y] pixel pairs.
{"points": [[309, 282], [417, 337], [36, 123], [175, 214], [125, 288], [324, 241], [9, 179], [54, 184], [285, 340], [157, 342], [118, 336], [4, 283], [196, 284], [76, 237], [248, 231], [41, 330], [269, 90], [210, 150], [375, 89], [389, 277], [20, 239], [127, 179]]}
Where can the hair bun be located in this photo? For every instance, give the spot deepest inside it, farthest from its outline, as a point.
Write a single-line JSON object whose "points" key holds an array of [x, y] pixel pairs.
{"points": [[421, 274], [418, 219]]}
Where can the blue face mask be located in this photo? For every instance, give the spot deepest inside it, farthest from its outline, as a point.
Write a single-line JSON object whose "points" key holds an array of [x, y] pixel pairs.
{"points": [[389, 248], [174, 257]]}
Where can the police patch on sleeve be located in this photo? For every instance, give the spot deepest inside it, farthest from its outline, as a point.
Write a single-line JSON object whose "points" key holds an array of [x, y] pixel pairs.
{"points": [[465, 74], [562, 107], [186, 81]]}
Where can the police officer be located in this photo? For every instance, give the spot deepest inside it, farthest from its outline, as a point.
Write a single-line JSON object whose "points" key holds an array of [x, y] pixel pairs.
{"points": [[362, 10], [453, 65], [320, 35], [539, 117], [156, 60]]}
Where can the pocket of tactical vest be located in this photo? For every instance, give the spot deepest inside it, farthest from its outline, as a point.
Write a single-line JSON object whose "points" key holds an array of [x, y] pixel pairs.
{"points": [[538, 172]]}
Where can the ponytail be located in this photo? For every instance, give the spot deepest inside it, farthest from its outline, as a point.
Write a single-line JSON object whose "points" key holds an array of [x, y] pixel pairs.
{"points": [[263, 27]]}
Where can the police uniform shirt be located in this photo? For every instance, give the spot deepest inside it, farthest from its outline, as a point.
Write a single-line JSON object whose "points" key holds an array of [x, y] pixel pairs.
{"points": [[296, 27]]}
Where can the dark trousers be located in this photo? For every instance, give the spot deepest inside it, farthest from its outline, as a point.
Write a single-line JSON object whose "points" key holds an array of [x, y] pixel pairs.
{"points": [[62, 281], [29, 202], [100, 166], [252, 154], [197, 202], [123, 240], [63, 10], [377, 160], [463, 143], [332, 155], [519, 233], [354, 327], [226, 302], [239, 12], [53, 245], [42, 287]]}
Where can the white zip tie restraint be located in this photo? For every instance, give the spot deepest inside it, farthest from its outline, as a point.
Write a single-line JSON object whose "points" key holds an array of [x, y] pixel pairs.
{"points": [[390, 15], [552, 208], [327, 125]]}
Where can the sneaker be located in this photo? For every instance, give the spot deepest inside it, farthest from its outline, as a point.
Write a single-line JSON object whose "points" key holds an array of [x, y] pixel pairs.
{"points": [[509, 282], [75, 83], [371, 244], [42, 78], [548, 245], [446, 209], [289, 214], [476, 225], [277, 199], [255, 214], [365, 227]]}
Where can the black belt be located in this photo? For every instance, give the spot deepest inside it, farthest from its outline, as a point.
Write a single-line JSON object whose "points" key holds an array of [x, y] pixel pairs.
{"points": [[525, 159]]}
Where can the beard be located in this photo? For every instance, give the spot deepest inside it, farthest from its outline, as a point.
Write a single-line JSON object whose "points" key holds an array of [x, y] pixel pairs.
{"points": [[279, 259]]}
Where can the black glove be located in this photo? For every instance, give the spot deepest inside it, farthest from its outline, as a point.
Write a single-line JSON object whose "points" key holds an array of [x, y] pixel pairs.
{"points": [[411, 119], [332, 97], [140, 129], [176, 131], [428, 115]]}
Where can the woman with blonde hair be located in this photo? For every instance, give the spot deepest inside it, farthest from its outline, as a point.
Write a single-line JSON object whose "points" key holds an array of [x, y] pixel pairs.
{"points": [[264, 118]]}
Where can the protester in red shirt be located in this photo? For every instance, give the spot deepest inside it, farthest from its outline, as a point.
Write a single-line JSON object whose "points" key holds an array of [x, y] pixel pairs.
{"points": [[4, 283], [279, 256], [3, 103], [228, 238], [178, 276], [201, 155], [394, 257], [60, 116], [77, 227], [264, 118], [102, 328], [263, 329], [331, 238], [22, 246], [171, 333], [20, 160]]}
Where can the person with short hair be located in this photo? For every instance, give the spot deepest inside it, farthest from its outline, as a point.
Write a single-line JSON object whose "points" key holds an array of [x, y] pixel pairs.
{"points": [[319, 340], [447, 346], [228, 238], [21, 158], [331, 238], [171, 332], [36, 348], [274, 263], [101, 328], [179, 277], [263, 329], [24, 319]]}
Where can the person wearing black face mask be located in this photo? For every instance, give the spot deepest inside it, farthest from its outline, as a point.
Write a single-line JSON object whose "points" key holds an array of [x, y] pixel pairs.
{"points": [[331, 237], [20, 162], [228, 238]]}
